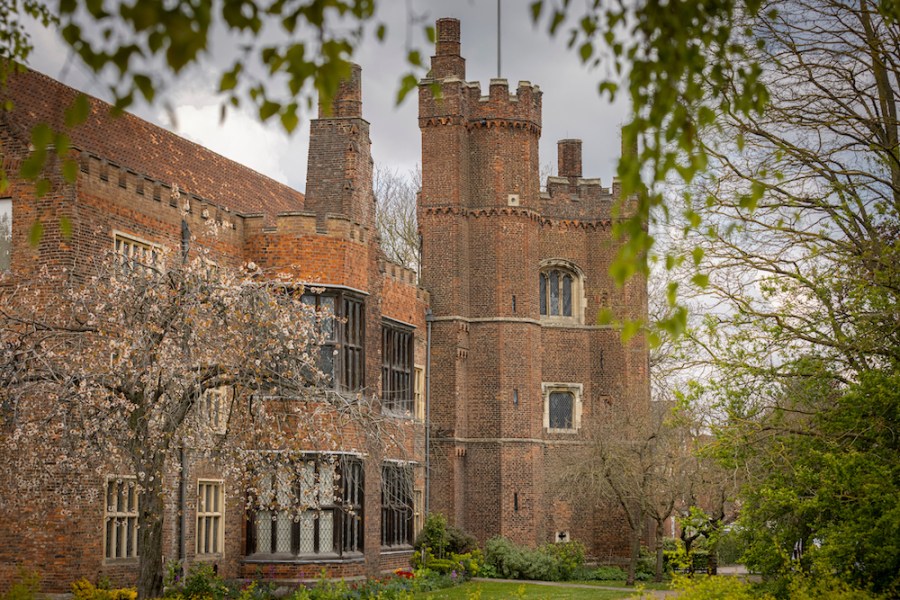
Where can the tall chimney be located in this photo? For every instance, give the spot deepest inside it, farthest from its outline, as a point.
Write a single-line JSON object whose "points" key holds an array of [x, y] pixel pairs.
{"points": [[569, 158], [447, 62], [347, 101]]}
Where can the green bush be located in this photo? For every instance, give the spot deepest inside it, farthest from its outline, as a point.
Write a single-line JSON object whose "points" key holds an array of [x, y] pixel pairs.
{"points": [[550, 562], [390, 588], [608, 574], [201, 583], [731, 547], [25, 586], [715, 588], [442, 539], [85, 590], [569, 557]]}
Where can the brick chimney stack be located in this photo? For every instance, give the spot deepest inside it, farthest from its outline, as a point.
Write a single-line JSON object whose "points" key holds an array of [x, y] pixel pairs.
{"points": [[447, 62], [569, 158], [347, 101]]}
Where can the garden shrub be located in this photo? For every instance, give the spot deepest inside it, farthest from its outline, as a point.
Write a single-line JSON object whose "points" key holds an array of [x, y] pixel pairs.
{"points": [[608, 573], [397, 587], [731, 547], [25, 586], [442, 539], [715, 588], [85, 590], [201, 583], [550, 562]]}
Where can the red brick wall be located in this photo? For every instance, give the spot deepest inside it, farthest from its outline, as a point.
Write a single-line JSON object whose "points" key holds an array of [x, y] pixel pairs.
{"points": [[496, 470], [332, 242]]}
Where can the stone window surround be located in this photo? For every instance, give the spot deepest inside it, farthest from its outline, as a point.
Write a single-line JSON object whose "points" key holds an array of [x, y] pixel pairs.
{"points": [[577, 390], [579, 299], [214, 515], [124, 518]]}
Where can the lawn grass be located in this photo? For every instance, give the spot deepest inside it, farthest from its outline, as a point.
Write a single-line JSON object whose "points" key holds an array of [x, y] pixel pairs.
{"points": [[647, 585], [496, 590]]}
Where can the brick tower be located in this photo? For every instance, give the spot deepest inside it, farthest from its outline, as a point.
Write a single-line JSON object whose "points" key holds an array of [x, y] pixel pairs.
{"points": [[517, 277]]}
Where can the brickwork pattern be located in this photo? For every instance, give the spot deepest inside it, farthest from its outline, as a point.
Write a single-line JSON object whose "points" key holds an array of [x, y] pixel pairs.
{"points": [[486, 229], [127, 182]]}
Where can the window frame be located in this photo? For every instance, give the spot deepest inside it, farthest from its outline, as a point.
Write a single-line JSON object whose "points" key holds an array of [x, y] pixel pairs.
{"points": [[345, 342], [345, 505], [215, 407], [577, 391], [111, 550], [205, 516], [397, 516], [397, 368], [419, 392], [558, 270], [126, 262]]}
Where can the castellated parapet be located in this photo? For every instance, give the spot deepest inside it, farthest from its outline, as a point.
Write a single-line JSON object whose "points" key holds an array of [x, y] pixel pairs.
{"points": [[477, 149], [569, 196]]}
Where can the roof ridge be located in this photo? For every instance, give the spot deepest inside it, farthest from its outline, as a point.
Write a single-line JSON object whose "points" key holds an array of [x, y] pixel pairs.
{"points": [[149, 148]]}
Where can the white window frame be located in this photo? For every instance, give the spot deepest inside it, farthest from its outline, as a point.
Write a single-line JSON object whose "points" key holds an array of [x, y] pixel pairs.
{"points": [[577, 390], [210, 520], [126, 521]]}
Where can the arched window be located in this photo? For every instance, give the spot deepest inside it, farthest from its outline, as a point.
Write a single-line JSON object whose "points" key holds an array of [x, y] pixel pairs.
{"points": [[560, 291]]}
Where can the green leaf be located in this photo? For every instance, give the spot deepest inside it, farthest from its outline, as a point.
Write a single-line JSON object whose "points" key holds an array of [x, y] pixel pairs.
{"points": [[41, 187], [230, 78], [78, 112], [536, 8], [145, 85], [701, 280], [65, 226], [630, 328], [35, 233], [70, 171], [289, 118], [62, 145], [697, 254], [41, 136], [380, 32], [608, 87], [267, 109], [605, 316], [558, 18], [585, 51], [407, 84]]}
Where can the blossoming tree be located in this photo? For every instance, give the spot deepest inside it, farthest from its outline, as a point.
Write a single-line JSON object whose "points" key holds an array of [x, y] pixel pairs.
{"points": [[118, 367]]}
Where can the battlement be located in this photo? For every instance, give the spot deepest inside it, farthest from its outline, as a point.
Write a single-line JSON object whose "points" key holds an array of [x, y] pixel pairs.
{"points": [[400, 273], [306, 223], [572, 196], [461, 102], [184, 204]]}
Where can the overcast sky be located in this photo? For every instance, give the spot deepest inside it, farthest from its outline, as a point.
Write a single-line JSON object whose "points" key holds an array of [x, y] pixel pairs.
{"points": [[572, 108]]}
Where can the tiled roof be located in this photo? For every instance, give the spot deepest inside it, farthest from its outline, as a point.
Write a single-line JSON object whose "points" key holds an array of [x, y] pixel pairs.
{"points": [[145, 148]]}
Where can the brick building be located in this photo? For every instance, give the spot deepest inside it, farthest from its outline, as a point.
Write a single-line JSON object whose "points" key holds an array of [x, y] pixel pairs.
{"points": [[517, 277], [513, 276]]}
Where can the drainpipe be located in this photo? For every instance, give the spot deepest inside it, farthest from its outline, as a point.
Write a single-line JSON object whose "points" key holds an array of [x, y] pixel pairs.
{"points": [[429, 319], [182, 499]]}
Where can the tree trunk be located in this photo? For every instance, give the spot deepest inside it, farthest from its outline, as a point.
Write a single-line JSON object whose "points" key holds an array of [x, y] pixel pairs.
{"points": [[712, 564], [660, 534], [150, 540], [635, 555]]}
